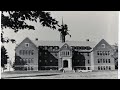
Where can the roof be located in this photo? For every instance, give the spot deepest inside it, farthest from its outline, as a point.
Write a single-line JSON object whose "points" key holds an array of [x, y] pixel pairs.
{"points": [[60, 44]]}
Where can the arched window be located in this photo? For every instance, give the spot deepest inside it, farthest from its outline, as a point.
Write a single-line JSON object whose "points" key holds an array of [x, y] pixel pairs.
{"points": [[109, 60]]}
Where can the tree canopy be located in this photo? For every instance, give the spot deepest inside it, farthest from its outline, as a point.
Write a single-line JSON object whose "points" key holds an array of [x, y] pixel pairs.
{"points": [[16, 20]]}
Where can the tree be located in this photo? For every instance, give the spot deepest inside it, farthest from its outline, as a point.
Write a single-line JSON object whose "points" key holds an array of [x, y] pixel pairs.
{"points": [[115, 55], [64, 31], [4, 56], [16, 20]]}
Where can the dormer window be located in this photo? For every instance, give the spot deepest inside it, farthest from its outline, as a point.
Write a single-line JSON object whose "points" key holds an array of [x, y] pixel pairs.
{"points": [[26, 44], [103, 45]]}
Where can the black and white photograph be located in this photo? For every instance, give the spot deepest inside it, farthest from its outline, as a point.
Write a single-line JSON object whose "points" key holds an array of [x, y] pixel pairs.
{"points": [[59, 44]]}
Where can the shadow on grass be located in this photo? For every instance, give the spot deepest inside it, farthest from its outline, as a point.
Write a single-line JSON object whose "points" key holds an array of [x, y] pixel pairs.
{"points": [[30, 76]]}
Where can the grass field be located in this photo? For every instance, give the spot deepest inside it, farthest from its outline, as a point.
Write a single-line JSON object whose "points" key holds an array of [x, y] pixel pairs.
{"points": [[59, 75]]}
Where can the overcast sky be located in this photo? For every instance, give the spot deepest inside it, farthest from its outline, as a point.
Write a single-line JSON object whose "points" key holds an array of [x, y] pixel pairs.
{"points": [[93, 25]]}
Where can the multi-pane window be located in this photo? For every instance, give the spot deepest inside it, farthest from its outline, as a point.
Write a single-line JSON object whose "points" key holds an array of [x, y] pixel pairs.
{"points": [[103, 53]]}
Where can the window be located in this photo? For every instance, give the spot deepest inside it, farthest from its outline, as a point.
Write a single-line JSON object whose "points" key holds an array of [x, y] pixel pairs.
{"points": [[109, 60], [101, 68], [23, 52], [106, 67], [65, 46], [32, 60], [88, 61], [28, 60], [26, 44], [68, 53], [106, 53], [103, 60], [103, 45], [98, 67], [88, 68], [106, 60], [103, 53], [98, 61], [32, 52], [31, 68], [109, 68], [97, 52]]}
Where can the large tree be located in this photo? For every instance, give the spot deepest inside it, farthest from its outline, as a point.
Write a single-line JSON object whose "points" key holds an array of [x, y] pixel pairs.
{"points": [[16, 20], [4, 56]]}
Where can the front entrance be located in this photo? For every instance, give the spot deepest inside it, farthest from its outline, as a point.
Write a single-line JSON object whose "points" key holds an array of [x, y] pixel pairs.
{"points": [[65, 64]]}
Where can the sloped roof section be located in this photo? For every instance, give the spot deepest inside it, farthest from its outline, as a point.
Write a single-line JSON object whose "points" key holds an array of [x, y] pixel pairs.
{"points": [[60, 44]]}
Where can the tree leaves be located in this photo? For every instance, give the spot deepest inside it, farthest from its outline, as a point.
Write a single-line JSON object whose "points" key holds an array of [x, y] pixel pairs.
{"points": [[4, 56], [16, 19]]}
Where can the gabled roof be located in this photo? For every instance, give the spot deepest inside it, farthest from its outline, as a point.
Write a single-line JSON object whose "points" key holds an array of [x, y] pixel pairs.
{"points": [[60, 44], [26, 39], [102, 41]]}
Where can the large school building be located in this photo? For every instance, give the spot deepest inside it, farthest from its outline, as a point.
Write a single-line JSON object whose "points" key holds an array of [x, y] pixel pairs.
{"points": [[37, 55]]}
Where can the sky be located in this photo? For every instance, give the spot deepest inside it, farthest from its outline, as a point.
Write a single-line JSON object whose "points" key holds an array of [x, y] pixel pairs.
{"points": [[92, 25]]}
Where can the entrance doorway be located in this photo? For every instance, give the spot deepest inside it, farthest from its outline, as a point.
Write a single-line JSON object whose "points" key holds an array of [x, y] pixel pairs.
{"points": [[65, 64]]}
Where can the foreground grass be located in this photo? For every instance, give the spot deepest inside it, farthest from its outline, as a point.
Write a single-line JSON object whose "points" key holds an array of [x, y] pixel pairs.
{"points": [[59, 75]]}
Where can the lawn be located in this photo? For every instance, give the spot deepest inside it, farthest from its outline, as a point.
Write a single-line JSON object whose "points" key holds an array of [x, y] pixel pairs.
{"points": [[59, 75]]}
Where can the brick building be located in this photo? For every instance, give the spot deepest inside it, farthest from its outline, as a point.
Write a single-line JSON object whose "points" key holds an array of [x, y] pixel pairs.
{"points": [[70, 55]]}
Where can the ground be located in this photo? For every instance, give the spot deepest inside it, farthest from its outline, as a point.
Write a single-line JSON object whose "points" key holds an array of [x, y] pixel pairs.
{"points": [[59, 75]]}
